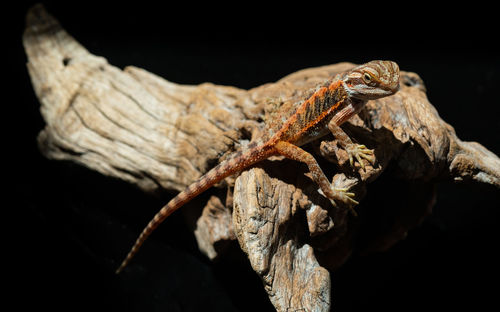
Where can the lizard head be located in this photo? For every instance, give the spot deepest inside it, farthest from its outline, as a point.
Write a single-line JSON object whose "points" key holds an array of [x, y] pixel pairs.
{"points": [[372, 80]]}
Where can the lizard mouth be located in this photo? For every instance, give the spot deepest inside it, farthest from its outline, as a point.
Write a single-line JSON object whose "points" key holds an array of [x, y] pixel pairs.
{"points": [[394, 88], [373, 93]]}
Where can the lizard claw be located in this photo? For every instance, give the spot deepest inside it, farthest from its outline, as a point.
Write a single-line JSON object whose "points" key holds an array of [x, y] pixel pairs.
{"points": [[359, 152], [343, 195], [348, 197]]}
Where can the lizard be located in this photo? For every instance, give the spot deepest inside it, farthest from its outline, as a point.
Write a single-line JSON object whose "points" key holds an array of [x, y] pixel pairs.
{"points": [[325, 110]]}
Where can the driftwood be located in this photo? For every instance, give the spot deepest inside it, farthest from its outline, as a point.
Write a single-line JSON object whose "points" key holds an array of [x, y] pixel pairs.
{"points": [[138, 127]]}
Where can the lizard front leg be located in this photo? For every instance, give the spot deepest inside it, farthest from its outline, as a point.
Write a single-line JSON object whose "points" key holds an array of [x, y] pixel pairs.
{"points": [[354, 151], [296, 153]]}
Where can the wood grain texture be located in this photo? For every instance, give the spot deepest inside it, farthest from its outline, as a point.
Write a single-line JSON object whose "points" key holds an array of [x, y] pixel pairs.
{"points": [[128, 124], [133, 125], [267, 220]]}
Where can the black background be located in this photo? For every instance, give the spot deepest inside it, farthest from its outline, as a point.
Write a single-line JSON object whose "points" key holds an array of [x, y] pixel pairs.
{"points": [[67, 227]]}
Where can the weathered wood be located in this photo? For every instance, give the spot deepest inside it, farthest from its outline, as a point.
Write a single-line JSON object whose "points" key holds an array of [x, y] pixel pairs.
{"points": [[268, 224], [138, 127], [127, 124]]}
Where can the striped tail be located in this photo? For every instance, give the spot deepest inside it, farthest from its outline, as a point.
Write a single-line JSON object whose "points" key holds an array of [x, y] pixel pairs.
{"points": [[237, 162]]}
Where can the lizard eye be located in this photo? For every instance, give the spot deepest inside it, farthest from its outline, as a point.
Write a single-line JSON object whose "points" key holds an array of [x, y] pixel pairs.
{"points": [[367, 78]]}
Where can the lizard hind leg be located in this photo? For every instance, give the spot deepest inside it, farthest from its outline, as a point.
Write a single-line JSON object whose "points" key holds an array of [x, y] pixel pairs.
{"points": [[334, 194]]}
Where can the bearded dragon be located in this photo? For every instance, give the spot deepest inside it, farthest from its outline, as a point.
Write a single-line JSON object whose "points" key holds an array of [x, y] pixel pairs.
{"points": [[328, 107]]}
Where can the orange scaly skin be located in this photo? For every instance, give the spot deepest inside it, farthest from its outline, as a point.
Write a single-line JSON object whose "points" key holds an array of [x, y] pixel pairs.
{"points": [[325, 110]]}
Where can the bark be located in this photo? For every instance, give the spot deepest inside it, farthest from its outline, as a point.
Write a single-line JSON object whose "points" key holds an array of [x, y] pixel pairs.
{"points": [[133, 125]]}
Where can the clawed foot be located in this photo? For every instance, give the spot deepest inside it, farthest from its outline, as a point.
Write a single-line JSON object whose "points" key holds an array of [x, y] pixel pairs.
{"points": [[348, 198], [342, 194], [359, 151]]}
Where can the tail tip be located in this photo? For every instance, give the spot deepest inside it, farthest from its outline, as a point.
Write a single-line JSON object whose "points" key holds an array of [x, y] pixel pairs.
{"points": [[120, 268]]}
